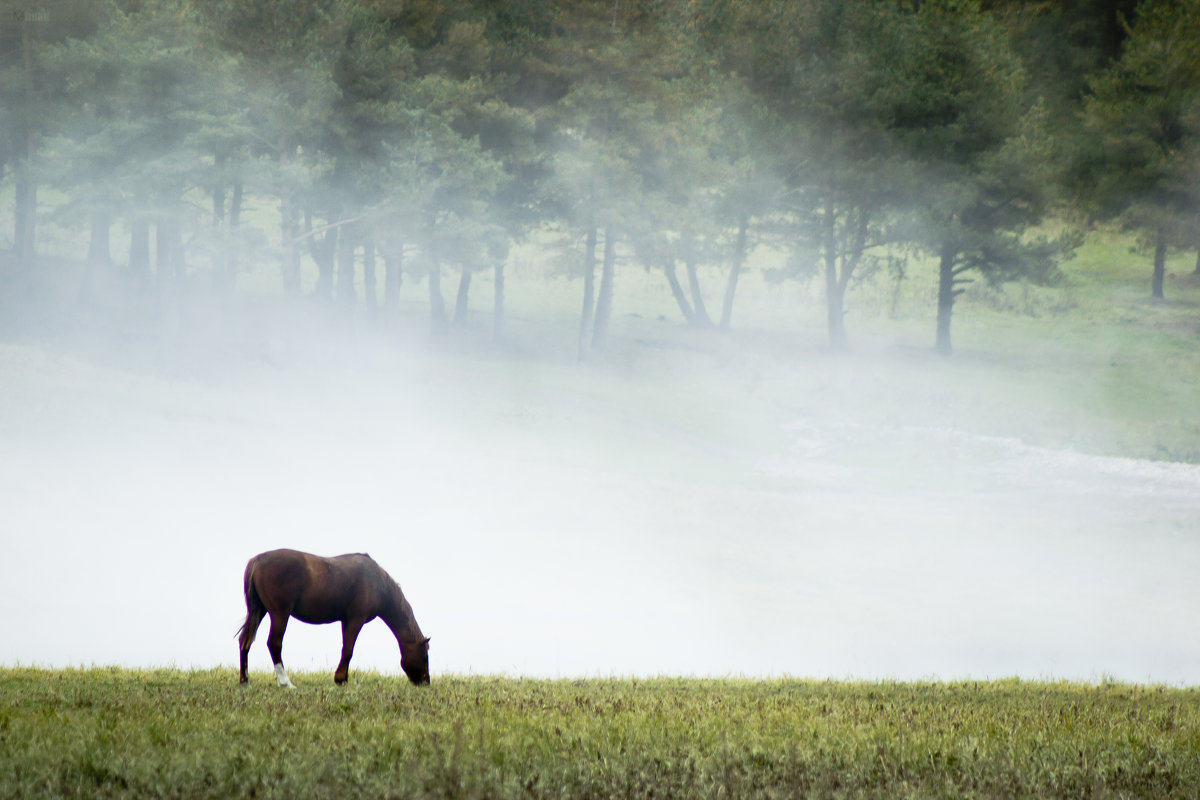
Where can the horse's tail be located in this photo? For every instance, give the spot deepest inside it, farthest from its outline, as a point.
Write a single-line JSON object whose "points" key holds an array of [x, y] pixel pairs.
{"points": [[254, 609]]}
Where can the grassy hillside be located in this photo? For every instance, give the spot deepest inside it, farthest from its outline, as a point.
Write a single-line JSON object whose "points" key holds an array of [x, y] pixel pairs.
{"points": [[116, 733]]}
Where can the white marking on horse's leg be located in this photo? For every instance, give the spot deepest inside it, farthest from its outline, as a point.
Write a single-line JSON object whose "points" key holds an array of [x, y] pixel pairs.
{"points": [[281, 677]]}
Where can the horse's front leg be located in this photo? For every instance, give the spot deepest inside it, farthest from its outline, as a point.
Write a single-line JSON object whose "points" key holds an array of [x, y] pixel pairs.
{"points": [[275, 646], [350, 629]]}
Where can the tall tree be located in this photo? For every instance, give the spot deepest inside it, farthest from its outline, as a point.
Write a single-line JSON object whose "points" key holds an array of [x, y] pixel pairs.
{"points": [[949, 94], [31, 99], [286, 53], [610, 57], [844, 172], [1144, 115]]}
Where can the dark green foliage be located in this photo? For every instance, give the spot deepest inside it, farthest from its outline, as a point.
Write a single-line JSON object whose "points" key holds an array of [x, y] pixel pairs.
{"points": [[114, 733], [1137, 161], [666, 133]]}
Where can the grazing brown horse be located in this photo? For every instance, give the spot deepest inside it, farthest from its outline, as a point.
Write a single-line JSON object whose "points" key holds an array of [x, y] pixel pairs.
{"points": [[350, 589]]}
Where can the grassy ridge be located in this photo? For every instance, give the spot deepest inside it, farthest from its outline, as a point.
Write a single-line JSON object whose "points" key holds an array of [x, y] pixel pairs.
{"points": [[124, 733]]}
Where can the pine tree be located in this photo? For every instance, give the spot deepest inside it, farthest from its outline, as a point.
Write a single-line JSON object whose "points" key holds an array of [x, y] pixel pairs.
{"points": [[1144, 116]]}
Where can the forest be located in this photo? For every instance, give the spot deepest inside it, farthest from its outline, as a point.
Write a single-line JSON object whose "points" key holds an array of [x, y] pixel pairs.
{"points": [[164, 149]]}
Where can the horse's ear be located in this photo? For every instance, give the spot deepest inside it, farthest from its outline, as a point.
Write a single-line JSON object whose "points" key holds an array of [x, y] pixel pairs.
{"points": [[426, 642]]}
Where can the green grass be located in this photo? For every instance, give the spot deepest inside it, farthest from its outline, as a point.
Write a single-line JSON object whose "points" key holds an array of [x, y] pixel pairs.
{"points": [[122, 733]]}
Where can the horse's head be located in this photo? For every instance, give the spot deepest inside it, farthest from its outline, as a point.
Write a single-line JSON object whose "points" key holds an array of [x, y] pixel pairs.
{"points": [[414, 660]]}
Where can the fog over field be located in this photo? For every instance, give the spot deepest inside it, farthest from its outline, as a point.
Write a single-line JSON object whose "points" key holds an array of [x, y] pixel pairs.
{"points": [[636, 516], [620, 334]]}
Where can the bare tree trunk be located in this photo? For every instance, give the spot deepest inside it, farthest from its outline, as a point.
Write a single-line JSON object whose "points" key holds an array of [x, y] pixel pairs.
{"points": [[834, 299], [219, 274], [700, 317], [947, 292], [735, 271], [1160, 264], [369, 289], [99, 255], [393, 275], [346, 246], [168, 261], [235, 221], [437, 307], [498, 300], [289, 226], [677, 292], [170, 272], [322, 251], [462, 301], [605, 298], [842, 256], [99, 244], [589, 290], [139, 249]]}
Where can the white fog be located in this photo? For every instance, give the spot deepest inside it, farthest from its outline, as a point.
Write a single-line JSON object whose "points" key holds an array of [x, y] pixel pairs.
{"points": [[628, 517]]}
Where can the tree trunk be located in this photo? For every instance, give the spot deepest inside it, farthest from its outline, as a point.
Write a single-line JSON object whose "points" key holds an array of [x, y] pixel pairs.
{"points": [[372, 301], [169, 263], [700, 317], [1160, 264], [498, 301], [841, 259], [835, 300], [462, 301], [589, 290], [231, 256], [289, 231], [677, 292], [393, 275], [169, 271], [437, 307], [605, 297], [834, 297], [219, 275], [735, 271], [99, 245], [139, 249], [346, 246], [946, 294], [289, 223], [99, 254], [322, 251]]}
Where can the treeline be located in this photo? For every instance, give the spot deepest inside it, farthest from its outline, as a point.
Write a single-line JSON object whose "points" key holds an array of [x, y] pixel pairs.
{"points": [[420, 139]]}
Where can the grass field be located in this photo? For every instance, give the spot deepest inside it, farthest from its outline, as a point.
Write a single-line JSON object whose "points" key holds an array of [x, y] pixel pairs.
{"points": [[127, 733]]}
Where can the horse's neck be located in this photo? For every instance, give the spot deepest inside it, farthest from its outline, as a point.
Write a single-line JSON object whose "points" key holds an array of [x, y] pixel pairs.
{"points": [[399, 617]]}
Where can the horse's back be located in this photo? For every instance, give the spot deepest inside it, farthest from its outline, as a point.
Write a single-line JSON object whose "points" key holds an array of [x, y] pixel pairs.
{"points": [[315, 588]]}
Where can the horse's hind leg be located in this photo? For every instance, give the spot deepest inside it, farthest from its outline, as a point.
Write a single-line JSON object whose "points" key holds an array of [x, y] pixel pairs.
{"points": [[275, 646]]}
